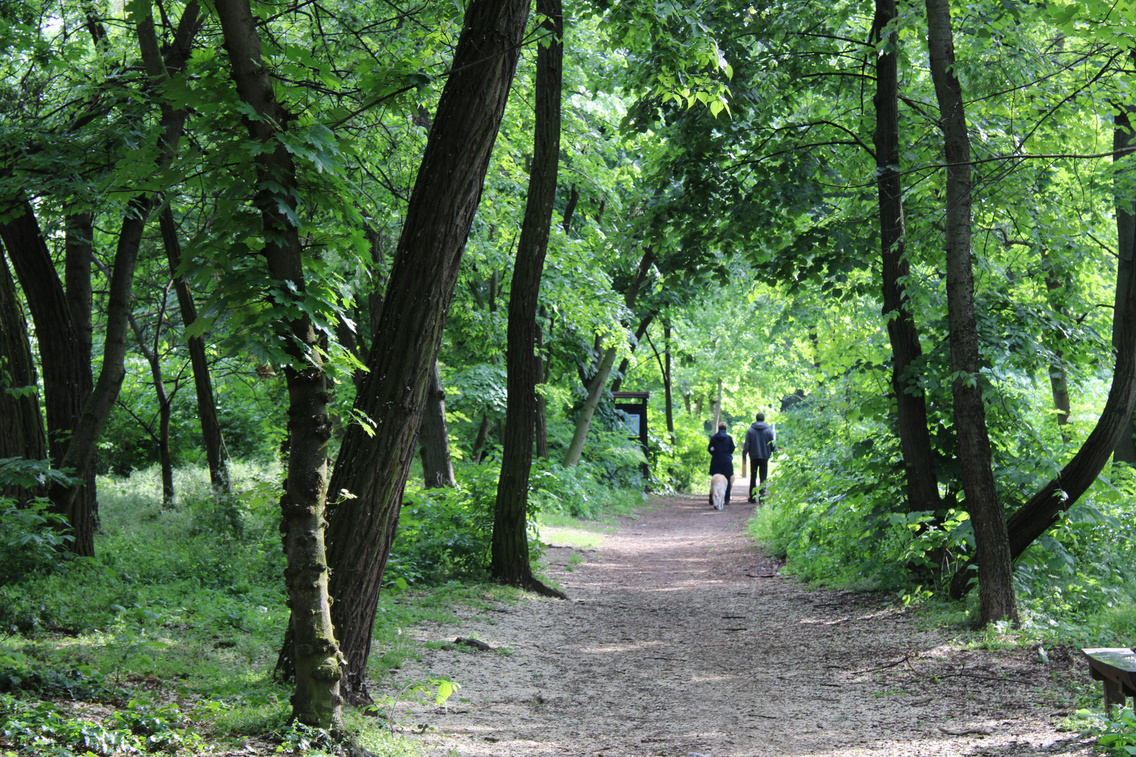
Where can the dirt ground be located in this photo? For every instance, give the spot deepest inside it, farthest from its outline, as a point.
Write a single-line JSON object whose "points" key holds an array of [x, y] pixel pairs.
{"points": [[681, 639]]}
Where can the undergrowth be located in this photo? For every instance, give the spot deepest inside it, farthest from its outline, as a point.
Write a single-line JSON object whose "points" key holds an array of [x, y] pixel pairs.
{"points": [[165, 642]]}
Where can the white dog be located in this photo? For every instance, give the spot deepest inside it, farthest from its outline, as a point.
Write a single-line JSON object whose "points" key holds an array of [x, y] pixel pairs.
{"points": [[718, 486]]}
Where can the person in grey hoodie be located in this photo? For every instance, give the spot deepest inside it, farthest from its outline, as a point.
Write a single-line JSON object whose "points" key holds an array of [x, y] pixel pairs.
{"points": [[759, 447]]}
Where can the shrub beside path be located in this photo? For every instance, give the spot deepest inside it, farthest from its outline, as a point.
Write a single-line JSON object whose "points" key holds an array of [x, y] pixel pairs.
{"points": [[681, 639]]}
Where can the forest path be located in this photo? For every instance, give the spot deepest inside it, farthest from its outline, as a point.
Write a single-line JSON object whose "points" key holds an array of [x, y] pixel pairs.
{"points": [[680, 639]]}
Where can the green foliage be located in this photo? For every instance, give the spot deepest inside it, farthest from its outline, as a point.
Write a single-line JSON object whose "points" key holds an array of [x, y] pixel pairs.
{"points": [[444, 533], [42, 728], [1075, 579], [1116, 734], [582, 491], [680, 466], [31, 540]]}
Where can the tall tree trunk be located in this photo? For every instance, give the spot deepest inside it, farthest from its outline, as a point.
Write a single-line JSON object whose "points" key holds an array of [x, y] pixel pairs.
{"points": [[21, 426], [595, 386], [481, 441], [1123, 138], [664, 361], [911, 409], [202, 382], [668, 384], [316, 700], [66, 370], [995, 570], [718, 406], [78, 259], [442, 206], [437, 465], [509, 552]]}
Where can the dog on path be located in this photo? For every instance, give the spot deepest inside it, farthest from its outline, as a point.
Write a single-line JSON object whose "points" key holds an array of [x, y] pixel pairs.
{"points": [[718, 486]]}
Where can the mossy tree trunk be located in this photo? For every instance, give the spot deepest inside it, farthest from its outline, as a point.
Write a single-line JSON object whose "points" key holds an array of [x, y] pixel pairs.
{"points": [[316, 700]]}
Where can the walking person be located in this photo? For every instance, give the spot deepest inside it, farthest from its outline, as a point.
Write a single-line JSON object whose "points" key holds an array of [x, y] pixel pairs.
{"points": [[721, 449], [759, 447]]}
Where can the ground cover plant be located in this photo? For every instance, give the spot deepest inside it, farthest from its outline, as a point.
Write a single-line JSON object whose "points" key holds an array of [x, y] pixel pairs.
{"points": [[167, 640]]}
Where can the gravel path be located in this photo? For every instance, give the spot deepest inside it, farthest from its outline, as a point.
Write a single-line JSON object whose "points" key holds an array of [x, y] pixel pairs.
{"points": [[681, 639]]}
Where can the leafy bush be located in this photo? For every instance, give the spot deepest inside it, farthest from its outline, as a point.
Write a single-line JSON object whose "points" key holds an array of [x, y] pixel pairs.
{"points": [[31, 540], [444, 533], [682, 465], [1075, 578]]}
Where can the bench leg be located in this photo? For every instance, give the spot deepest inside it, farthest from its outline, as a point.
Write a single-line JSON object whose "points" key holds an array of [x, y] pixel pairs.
{"points": [[1113, 694]]}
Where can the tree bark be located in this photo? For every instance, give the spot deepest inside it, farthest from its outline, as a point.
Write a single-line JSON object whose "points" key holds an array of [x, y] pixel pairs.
{"points": [[66, 369], [316, 700], [995, 570], [509, 552], [1058, 380], [442, 206], [202, 382], [21, 426], [1125, 234], [437, 465], [78, 260], [911, 409]]}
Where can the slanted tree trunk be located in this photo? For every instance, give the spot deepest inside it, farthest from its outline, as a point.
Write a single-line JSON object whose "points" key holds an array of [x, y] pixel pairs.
{"points": [[1044, 508], [596, 385], [21, 426], [995, 571], [911, 410], [442, 206], [437, 465], [625, 364], [316, 700], [509, 551], [202, 382]]}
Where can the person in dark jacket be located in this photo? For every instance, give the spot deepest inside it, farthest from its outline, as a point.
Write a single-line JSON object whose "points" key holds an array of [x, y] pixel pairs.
{"points": [[759, 447], [721, 449]]}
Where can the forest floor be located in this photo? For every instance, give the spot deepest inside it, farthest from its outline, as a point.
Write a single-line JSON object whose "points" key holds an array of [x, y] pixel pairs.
{"points": [[680, 638]]}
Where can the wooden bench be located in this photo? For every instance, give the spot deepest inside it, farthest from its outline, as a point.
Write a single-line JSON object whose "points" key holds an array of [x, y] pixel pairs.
{"points": [[1116, 666]]}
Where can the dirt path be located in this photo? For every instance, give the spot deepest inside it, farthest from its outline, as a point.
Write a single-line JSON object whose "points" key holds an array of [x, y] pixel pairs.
{"points": [[681, 640]]}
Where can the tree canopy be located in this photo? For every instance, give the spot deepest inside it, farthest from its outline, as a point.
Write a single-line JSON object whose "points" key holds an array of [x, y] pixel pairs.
{"points": [[287, 232]]}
